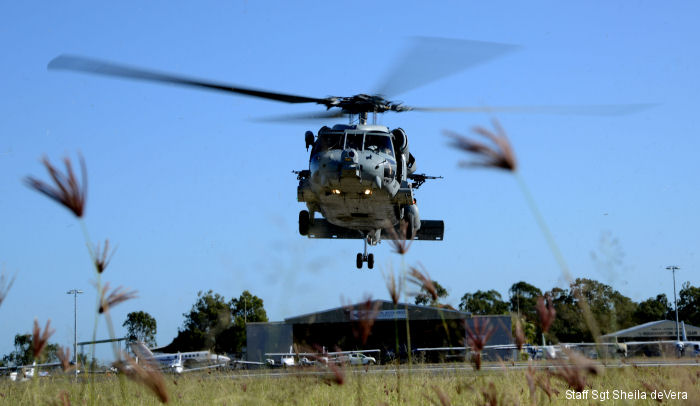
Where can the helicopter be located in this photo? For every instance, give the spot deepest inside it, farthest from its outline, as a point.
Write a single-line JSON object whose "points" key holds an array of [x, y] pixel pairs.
{"points": [[361, 177]]}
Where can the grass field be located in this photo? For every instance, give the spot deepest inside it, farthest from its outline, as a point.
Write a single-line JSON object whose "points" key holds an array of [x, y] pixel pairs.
{"points": [[630, 385]]}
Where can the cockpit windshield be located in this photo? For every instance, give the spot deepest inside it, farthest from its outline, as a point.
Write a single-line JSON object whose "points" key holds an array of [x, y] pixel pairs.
{"points": [[379, 143], [329, 141], [353, 141]]}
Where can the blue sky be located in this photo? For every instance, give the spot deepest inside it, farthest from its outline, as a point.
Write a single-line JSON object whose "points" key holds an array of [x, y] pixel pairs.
{"points": [[197, 195]]}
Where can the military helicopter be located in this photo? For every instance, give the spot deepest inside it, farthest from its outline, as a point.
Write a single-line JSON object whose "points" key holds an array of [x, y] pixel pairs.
{"points": [[361, 177]]}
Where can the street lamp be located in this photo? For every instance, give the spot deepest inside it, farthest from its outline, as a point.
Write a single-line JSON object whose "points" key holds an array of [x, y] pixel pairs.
{"points": [[673, 269], [75, 293]]}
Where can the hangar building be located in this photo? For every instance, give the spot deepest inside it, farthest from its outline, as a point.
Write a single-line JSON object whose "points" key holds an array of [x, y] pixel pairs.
{"points": [[342, 328]]}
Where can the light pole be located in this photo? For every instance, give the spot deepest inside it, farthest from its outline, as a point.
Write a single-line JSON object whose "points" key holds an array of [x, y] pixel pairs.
{"points": [[75, 293], [673, 269]]}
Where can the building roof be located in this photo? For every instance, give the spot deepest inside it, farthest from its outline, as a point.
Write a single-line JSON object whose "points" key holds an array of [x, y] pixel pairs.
{"points": [[385, 310], [654, 329]]}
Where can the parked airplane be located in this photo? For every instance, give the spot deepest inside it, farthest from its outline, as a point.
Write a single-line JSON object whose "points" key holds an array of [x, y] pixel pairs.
{"points": [[178, 362], [685, 345], [25, 372], [662, 347], [289, 359]]}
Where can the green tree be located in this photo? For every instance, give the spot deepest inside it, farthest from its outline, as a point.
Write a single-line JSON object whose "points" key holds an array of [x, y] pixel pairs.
{"points": [[213, 324], [652, 309], [247, 308], [425, 298], [523, 298], [209, 316], [141, 326], [610, 309], [689, 304], [484, 302], [22, 354]]}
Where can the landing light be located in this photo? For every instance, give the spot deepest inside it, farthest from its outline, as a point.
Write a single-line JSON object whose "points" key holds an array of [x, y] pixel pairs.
{"points": [[368, 192], [335, 191]]}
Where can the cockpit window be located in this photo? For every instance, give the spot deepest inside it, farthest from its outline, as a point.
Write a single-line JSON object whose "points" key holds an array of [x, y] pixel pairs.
{"points": [[353, 141], [379, 143], [329, 141]]}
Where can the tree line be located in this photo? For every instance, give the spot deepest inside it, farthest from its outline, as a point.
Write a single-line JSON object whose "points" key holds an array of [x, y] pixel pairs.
{"points": [[611, 309], [213, 323]]}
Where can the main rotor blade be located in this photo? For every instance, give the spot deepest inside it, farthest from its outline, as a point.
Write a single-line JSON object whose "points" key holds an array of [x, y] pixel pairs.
{"points": [[430, 59], [325, 115], [94, 66], [584, 110]]}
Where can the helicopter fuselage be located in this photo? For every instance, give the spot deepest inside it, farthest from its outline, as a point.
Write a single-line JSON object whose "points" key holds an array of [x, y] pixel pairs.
{"points": [[357, 179]]}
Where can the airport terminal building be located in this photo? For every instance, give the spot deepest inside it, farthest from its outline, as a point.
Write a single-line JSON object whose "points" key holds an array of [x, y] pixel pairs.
{"points": [[379, 325]]}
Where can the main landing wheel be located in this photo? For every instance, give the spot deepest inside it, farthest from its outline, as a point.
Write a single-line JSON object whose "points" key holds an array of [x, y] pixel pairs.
{"points": [[304, 222], [370, 261], [359, 260]]}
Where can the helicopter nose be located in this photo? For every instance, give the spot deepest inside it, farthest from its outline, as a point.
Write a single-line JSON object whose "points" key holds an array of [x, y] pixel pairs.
{"points": [[349, 156], [350, 166]]}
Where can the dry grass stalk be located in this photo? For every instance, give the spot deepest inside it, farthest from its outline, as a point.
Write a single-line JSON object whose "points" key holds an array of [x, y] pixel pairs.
{"points": [[575, 371], [519, 334], [392, 286], [365, 317], [5, 286], [477, 337], [545, 384], [442, 396], [63, 397], [490, 395], [63, 354], [103, 258], [500, 155], [115, 297], [398, 242], [66, 190], [423, 281], [147, 375], [530, 376], [39, 338], [338, 376], [546, 312]]}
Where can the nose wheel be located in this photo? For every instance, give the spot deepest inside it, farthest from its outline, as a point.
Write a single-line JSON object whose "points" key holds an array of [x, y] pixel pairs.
{"points": [[364, 257]]}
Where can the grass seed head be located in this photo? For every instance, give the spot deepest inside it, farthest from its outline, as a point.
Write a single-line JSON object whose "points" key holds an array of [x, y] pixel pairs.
{"points": [[546, 312], [519, 334], [66, 190], [477, 337], [423, 281], [103, 258], [500, 155], [39, 338], [115, 297], [145, 374], [5, 286], [63, 355], [392, 286], [575, 371], [398, 242], [366, 315]]}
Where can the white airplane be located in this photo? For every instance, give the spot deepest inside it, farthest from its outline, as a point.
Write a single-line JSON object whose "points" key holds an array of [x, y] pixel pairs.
{"points": [[177, 362], [685, 345], [23, 373], [534, 351], [287, 359]]}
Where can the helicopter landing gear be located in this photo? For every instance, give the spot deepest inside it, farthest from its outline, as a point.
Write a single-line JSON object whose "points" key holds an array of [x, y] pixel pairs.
{"points": [[304, 220], [369, 258]]}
